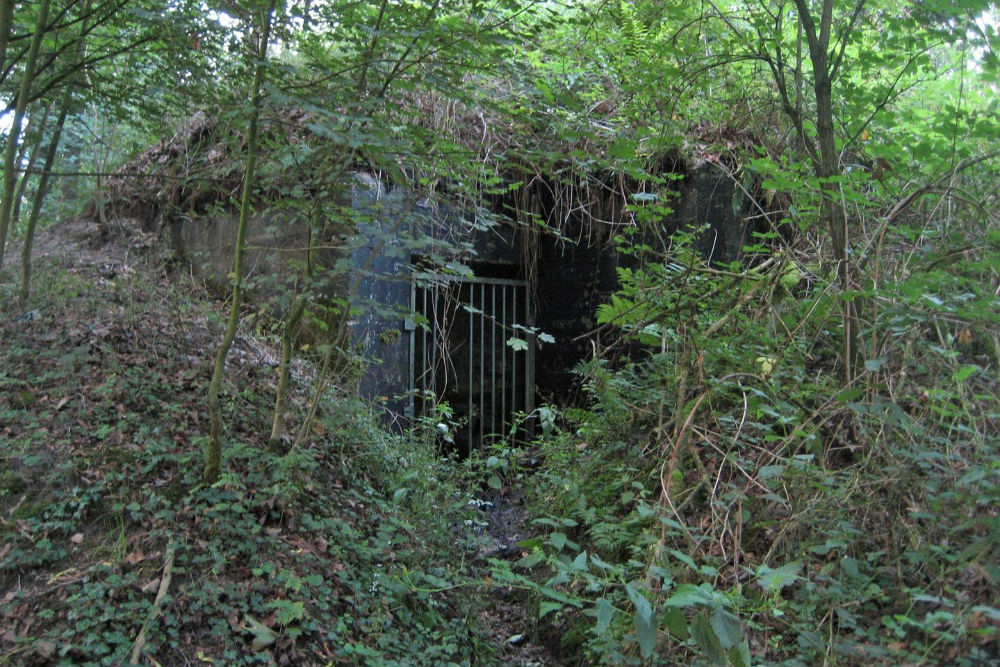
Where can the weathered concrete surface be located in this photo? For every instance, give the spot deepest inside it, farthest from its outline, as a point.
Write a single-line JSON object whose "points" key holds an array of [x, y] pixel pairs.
{"points": [[573, 280], [710, 195], [391, 229], [273, 241]]}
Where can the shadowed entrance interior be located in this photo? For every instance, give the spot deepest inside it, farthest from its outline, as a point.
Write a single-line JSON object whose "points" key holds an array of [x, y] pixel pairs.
{"points": [[472, 347]]}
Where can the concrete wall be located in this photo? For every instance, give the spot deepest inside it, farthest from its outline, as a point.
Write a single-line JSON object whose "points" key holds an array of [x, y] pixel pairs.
{"points": [[208, 245], [392, 229]]}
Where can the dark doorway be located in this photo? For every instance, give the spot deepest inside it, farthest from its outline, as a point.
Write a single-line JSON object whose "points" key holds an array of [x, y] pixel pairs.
{"points": [[471, 346]]}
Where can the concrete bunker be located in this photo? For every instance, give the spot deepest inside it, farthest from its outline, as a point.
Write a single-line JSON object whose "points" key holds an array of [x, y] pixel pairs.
{"points": [[469, 304], [497, 330]]}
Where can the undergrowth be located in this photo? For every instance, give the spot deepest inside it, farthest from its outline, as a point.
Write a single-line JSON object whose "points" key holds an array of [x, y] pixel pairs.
{"points": [[725, 500], [312, 558]]}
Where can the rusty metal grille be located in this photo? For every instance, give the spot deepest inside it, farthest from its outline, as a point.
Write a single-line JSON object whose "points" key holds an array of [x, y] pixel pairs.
{"points": [[460, 354]]}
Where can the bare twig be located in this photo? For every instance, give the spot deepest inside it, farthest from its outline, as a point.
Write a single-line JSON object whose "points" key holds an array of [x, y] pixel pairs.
{"points": [[168, 571]]}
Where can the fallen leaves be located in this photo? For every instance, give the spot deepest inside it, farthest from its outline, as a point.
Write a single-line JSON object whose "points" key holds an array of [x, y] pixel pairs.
{"points": [[135, 557]]}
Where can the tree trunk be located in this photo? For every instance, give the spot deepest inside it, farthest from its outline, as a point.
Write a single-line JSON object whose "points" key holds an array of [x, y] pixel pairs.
{"points": [[826, 166], [213, 451], [10, 156], [281, 399], [36, 205], [835, 217], [36, 145], [6, 18]]}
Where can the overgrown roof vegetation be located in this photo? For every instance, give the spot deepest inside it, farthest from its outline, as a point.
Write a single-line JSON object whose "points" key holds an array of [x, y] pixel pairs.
{"points": [[797, 465]]}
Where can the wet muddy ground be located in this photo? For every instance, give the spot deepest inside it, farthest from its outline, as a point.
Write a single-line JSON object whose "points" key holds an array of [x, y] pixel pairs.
{"points": [[510, 616]]}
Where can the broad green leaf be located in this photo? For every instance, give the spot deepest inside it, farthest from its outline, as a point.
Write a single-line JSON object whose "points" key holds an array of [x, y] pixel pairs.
{"points": [[964, 371], [645, 622], [874, 365], [689, 595], [517, 344], [990, 612], [706, 639], [546, 607], [532, 559], [684, 558], [850, 394], [766, 365], [773, 580], [558, 540], [599, 562], [559, 596], [973, 475], [263, 636], [727, 627], [767, 472], [850, 567], [936, 300], [645, 632], [739, 655], [604, 613], [976, 548], [622, 149], [676, 623]]}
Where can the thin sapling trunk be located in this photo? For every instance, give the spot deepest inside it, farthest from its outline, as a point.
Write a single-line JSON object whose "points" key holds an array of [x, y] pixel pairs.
{"points": [[213, 450]]}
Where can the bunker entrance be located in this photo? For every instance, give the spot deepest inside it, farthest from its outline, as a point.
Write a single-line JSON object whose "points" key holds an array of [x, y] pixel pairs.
{"points": [[471, 347]]}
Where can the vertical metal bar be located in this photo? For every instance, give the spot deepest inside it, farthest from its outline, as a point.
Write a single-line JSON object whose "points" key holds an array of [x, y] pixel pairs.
{"points": [[411, 401], [513, 372], [436, 334], [529, 361], [482, 359], [503, 360], [423, 351], [472, 320], [493, 360]]}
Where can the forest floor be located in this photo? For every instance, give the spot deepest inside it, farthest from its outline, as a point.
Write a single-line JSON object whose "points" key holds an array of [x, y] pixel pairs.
{"points": [[111, 550], [509, 620]]}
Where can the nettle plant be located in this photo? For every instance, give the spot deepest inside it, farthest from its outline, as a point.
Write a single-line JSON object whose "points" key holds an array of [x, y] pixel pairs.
{"points": [[642, 492]]}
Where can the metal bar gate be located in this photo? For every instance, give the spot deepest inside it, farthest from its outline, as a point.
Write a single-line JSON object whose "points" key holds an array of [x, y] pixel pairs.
{"points": [[462, 353]]}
